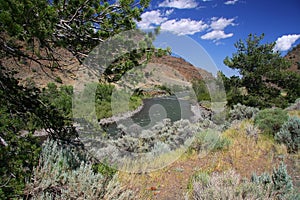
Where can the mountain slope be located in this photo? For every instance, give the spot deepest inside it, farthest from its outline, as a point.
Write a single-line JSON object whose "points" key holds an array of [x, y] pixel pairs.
{"points": [[166, 68], [294, 57]]}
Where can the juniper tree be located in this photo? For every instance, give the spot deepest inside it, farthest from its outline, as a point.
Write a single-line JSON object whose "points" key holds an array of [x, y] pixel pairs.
{"points": [[264, 74]]}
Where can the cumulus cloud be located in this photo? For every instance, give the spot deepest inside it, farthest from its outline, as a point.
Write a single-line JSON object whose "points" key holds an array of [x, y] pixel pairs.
{"points": [[217, 27], [151, 19], [221, 23], [216, 35], [180, 4], [155, 18], [231, 2], [285, 42], [183, 26]]}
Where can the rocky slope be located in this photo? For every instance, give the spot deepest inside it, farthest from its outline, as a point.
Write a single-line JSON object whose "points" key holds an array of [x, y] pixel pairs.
{"points": [[294, 57], [185, 68], [159, 71]]}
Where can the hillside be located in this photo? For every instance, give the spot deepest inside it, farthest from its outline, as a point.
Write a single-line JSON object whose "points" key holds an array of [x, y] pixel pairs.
{"points": [[168, 68], [185, 68], [294, 57]]}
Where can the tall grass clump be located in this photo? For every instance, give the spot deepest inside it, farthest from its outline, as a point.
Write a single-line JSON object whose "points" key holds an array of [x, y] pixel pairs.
{"points": [[209, 140], [270, 120], [64, 173], [289, 134]]}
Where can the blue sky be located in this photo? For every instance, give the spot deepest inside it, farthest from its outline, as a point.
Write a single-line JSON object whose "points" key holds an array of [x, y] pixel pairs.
{"points": [[215, 25]]}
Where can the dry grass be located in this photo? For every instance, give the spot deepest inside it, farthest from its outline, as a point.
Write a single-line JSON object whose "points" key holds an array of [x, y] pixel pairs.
{"points": [[294, 113], [248, 155], [245, 155], [151, 163]]}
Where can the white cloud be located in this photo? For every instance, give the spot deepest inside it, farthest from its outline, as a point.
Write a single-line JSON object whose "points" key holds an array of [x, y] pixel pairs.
{"points": [[217, 27], [216, 35], [155, 18], [221, 23], [180, 4], [285, 42], [150, 19], [183, 26], [231, 2], [169, 12]]}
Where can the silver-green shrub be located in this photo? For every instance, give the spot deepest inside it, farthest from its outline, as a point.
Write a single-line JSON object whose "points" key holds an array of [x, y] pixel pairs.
{"points": [[289, 134], [252, 131], [160, 148], [229, 185], [240, 112], [62, 174], [282, 182], [294, 106], [279, 185]]}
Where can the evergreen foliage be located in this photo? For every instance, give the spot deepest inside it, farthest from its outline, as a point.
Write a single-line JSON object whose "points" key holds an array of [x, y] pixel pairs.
{"points": [[60, 98], [264, 79], [23, 111], [77, 25]]}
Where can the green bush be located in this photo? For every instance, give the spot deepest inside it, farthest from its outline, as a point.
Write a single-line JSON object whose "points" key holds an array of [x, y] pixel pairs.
{"points": [[60, 98], [105, 96], [201, 90], [270, 120], [105, 168], [289, 134], [18, 156]]}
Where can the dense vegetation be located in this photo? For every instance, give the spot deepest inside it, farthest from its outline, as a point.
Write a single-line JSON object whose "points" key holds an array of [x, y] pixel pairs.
{"points": [[265, 80], [23, 111], [103, 98], [34, 30]]}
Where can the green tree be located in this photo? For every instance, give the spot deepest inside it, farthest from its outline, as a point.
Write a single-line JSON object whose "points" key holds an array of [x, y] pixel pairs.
{"points": [[264, 75], [35, 30], [77, 25], [201, 90], [22, 112]]}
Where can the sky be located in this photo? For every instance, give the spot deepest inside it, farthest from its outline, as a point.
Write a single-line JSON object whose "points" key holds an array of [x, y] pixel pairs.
{"points": [[205, 31]]}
